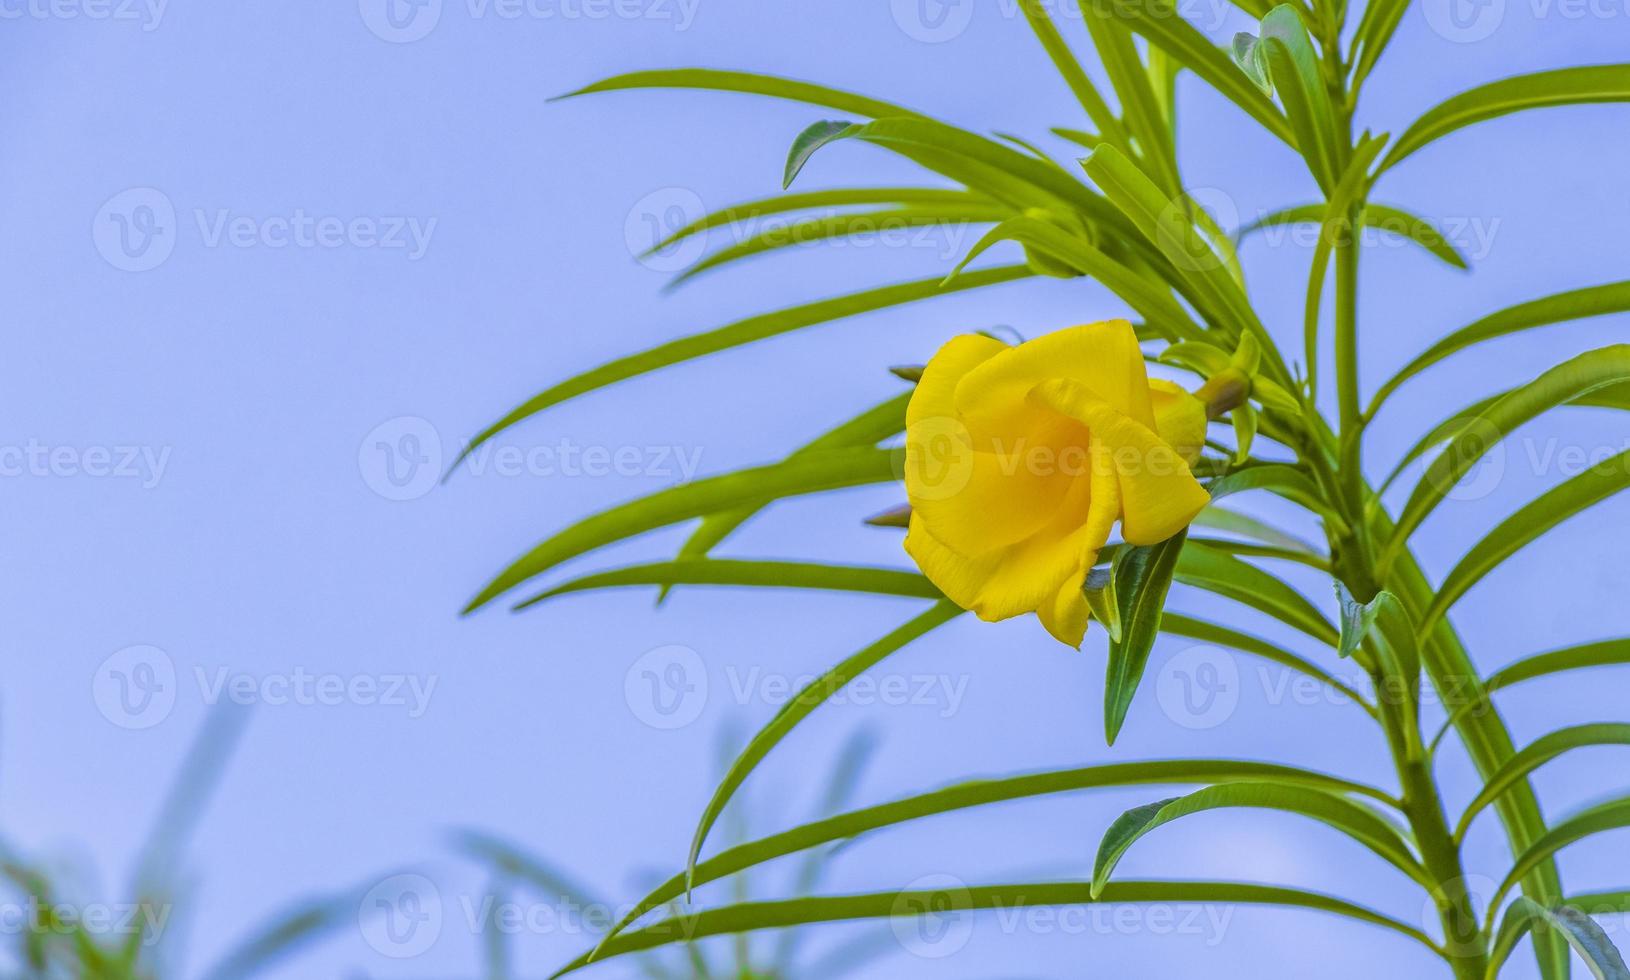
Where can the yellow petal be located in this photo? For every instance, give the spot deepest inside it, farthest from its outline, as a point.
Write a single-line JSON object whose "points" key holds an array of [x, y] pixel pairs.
{"points": [[1066, 615], [1159, 496], [1180, 418], [976, 491], [1104, 357], [1020, 577]]}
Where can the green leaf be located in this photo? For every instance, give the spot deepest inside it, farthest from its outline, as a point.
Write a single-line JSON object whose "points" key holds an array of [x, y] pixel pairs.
{"points": [[879, 905], [1350, 818], [1375, 30], [837, 198], [1197, 356], [799, 708], [741, 332], [1041, 23], [1168, 227], [1543, 750], [982, 792], [1559, 308], [1530, 523], [866, 429], [1247, 53], [1580, 930], [1558, 87], [749, 83], [516, 863], [1222, 518], [1140, 106], [835, 226], [1608, 816], [1293, 66], [1604, 653], [750, 574], [1282, 479], [1560, 385], [1142, 575], [1244, 421], [1206, 568], [1149, 298], [1103, 601], [1381, 217], [1357, 618], [1163, 25], [811, 139], [812, 473]]}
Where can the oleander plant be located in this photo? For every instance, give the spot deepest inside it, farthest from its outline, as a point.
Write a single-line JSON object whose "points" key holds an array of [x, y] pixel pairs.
{"points": [[1057, 477]]}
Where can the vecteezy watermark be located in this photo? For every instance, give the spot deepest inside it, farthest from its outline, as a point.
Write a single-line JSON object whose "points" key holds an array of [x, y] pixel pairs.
{"points": [[401, 917], [402, 459], [406, 21], [1470, 21], [1199, 688], [938, 21], [669, 687], [137, 687], [142, 464], [147, 14], [138, 229], [932, 917], [32, 917]]}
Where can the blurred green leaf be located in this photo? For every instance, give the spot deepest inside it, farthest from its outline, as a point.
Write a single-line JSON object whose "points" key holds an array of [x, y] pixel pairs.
{"points": [[1142, 578]]}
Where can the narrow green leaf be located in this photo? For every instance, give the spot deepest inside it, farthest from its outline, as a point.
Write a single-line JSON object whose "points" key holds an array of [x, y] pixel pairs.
{"points": [[1558, 87], [836, 198], [1293, 66], [983, 792], [748, 83], [811, 139], [1243, 419], [866, 429], [1041, 24], [754, 328], [1104, 602], [1282, 479], [1206, 568], [1608, 816], [1142, 578], [1375, 30], [1163, 25], [1221, 518], [1579, 929], [822, 228], [1558, 308], [750, 574], [1542, 750], [812, 473], [1560, 385], [1352, 819], [879, 905], [799, 708], [1530, 523]]}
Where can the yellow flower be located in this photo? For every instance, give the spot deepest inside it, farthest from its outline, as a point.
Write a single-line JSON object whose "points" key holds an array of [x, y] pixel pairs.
{"points": [[1019, 461]]}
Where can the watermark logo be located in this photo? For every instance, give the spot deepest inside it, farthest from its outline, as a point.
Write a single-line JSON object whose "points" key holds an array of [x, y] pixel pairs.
{"points": [[667, 688], [400, 459], [400, 21], [1199, 688], [932, 917], [135, 230], [147, 13], [135, 687], [656, 217], [401, 916], [1464, 21], [932, 21], [939, 458]]}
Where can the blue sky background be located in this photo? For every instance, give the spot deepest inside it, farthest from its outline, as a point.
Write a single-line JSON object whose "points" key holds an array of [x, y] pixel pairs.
{"points": [[264, 379]]}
